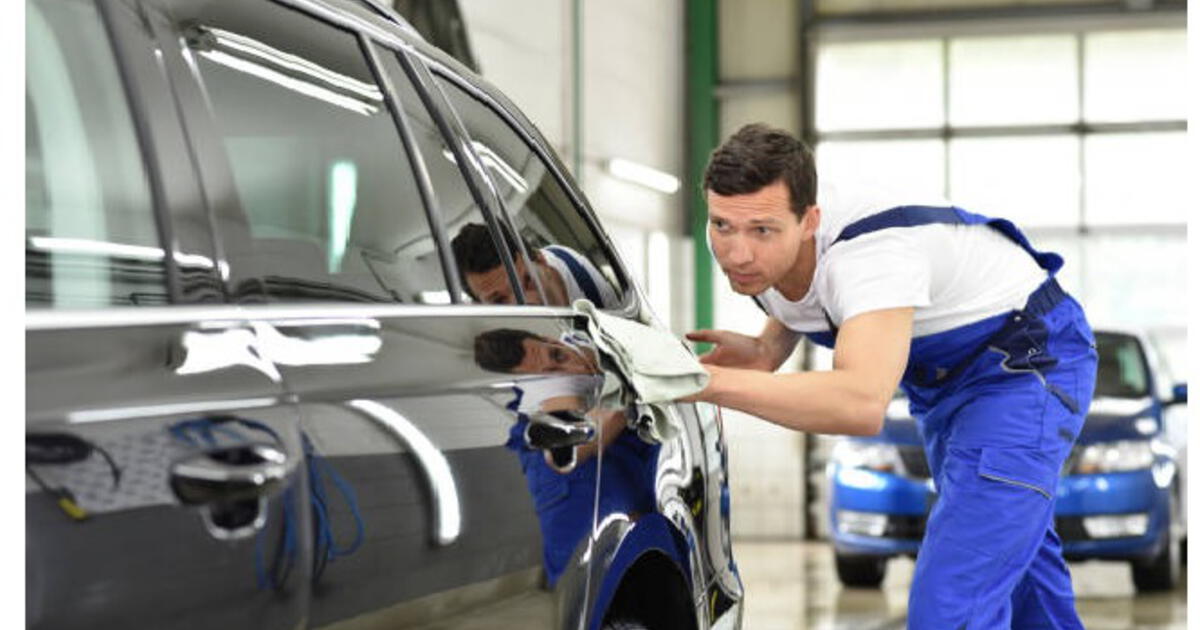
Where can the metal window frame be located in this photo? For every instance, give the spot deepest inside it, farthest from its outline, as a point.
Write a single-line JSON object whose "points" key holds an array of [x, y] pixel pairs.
{"points": [[629, 305], [433, 214], [945, 27], [495, 205]]}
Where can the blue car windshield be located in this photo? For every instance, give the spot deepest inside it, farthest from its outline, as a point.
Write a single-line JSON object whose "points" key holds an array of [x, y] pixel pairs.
{"points": [[1122, 371]]}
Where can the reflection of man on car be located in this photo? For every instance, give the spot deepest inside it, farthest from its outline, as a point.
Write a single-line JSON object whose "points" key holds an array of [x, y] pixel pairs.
{"points": [[564, 501], [565, 274]]}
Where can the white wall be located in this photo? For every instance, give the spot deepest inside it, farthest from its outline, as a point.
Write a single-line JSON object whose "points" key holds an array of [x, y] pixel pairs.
{"points": [[766, 462], [631, 107]]}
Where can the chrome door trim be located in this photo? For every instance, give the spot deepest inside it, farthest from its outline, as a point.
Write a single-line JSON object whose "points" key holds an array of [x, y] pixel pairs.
{"points": [[233, 313], [151, 411], [447, 513]]}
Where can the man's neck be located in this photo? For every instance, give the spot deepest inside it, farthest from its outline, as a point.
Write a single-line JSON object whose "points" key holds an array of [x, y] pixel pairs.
{"points": [[795, 284], [557, 286]]}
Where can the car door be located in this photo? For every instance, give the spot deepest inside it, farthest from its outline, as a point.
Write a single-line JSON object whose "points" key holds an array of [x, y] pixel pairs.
{"points": [[641, 482], [162, 458], [330, 181]]}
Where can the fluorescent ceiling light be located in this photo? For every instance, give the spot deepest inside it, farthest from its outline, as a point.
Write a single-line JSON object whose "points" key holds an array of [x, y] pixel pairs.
{"points": [[293, 72], [644, 175], [90, 247], [496, 164]]}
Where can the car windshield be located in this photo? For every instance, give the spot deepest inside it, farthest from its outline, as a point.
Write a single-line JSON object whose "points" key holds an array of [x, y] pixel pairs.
{"points": [[1122, 370]]}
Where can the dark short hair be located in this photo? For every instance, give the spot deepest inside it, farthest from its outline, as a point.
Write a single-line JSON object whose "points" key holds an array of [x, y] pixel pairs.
{"points": [[502, 349], [475, 252], [758, 156]]}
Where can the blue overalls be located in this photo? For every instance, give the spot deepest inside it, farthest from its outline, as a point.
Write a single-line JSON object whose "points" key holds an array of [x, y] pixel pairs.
{"points": [[999, 403]]}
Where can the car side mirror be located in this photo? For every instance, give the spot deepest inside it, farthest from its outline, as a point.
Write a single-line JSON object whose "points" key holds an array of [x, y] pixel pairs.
{"points": [[1178, 394]]}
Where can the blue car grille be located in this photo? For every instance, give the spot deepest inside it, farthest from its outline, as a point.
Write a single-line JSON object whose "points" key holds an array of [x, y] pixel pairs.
{"points": [[905, 527], [1070, 528], [913, 459]]}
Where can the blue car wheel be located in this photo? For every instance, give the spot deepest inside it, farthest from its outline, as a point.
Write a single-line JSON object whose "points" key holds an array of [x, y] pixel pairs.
{"points": [[1161, 572], [860, 571]]}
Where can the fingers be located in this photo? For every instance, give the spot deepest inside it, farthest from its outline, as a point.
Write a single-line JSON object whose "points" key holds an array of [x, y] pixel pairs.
{"points": [[711, 336]]}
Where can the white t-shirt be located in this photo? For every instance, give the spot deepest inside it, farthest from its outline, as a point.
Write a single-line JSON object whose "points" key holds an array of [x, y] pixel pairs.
{"points": [[952, 274], [608, 297]]}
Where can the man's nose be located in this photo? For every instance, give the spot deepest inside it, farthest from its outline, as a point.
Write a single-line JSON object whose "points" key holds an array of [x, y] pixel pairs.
{"points": [[738, 252]]}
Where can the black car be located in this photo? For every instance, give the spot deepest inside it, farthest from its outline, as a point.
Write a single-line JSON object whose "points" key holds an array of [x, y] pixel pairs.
{"points": [[300, 351]]}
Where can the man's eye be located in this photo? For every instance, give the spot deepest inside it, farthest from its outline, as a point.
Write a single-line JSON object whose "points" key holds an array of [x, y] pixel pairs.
{"points": [[762, 230], [557, 355]]}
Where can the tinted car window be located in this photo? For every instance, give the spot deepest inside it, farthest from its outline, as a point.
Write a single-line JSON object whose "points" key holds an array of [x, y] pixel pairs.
{"points": [[332, 208], [572, 262], [90, 233], [1121, 371], [477, 257]]}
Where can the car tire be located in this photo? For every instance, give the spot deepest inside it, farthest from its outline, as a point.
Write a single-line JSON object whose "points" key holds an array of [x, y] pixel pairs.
{"points": [[1160, 573], [624, 624], [860, 571]]}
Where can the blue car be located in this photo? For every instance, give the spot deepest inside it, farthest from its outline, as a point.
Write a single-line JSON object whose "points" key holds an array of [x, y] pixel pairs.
{"points": [[1120, 497]]}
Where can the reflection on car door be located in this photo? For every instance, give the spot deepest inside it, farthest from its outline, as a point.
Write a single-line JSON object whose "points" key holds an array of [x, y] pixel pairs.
{"points": [[418, 505], [173, 440], [162, 461]]}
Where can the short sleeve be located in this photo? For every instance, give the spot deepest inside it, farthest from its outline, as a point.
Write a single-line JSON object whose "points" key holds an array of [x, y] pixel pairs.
{"points": [[874, 272]]}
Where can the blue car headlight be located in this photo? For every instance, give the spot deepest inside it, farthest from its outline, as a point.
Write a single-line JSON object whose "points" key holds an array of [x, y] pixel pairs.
{"points": [[878, 456], [1110, 457]]}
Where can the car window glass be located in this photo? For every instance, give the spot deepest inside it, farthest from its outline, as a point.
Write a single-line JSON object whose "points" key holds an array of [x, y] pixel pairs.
{"points": [[332, 208], [571, 259], [90, 234], [482, 273], [1121, 371]]}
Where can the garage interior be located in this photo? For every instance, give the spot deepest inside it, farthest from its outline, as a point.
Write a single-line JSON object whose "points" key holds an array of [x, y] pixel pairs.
{"points": [[1067, 116]]}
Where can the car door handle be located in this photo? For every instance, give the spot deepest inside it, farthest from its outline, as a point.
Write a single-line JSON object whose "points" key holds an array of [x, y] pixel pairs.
{"points": [[229, 474], [557, 430]]}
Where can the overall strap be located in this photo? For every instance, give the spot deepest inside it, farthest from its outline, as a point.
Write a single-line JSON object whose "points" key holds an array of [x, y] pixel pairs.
{"points": [[582, 277], [915, 216]]}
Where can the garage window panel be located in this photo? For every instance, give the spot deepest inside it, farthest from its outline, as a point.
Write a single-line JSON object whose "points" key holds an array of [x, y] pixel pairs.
{"points": [[1013, 80], [1032, 181], [911, 167], [1137, 179], [1134, 76], [879, 85], [1125, 282]]}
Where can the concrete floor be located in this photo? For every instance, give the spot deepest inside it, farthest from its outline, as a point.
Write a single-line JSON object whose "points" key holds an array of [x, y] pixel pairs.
{"points": [[792, 586]]}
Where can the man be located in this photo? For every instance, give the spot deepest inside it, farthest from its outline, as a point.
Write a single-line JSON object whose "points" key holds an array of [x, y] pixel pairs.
{"points": [[997, 361], [565, 275]]}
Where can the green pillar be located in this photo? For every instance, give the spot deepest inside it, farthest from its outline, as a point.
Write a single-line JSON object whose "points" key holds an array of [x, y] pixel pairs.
{"points": [[703, 136]]}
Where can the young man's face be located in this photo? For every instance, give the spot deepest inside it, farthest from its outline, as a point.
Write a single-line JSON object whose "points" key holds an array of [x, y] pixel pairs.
{"points": [[756, 237], [543, 357], [492, 287]]}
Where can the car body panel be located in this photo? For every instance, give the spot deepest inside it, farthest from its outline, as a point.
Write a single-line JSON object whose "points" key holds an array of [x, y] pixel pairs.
{"points": [[400, 454]]}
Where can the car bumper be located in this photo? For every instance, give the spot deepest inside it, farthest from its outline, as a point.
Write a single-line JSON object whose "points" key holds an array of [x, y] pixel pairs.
{"points": [[898, 507], [1090, 504], [875, 513]]}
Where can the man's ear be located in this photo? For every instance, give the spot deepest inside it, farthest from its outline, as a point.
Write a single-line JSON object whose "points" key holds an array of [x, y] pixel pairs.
{"points": [[811, 221]]}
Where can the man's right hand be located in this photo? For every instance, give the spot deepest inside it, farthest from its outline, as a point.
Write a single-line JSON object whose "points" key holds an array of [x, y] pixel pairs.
{"points": [[765, 352], [731, 349]]}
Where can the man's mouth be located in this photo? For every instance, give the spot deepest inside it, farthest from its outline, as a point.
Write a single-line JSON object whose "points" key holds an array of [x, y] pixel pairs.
{"points": [[742, 278]]}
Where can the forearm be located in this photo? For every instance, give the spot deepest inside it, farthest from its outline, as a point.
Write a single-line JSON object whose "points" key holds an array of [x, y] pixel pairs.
{"points": [[833, 402], [776, 343]]}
